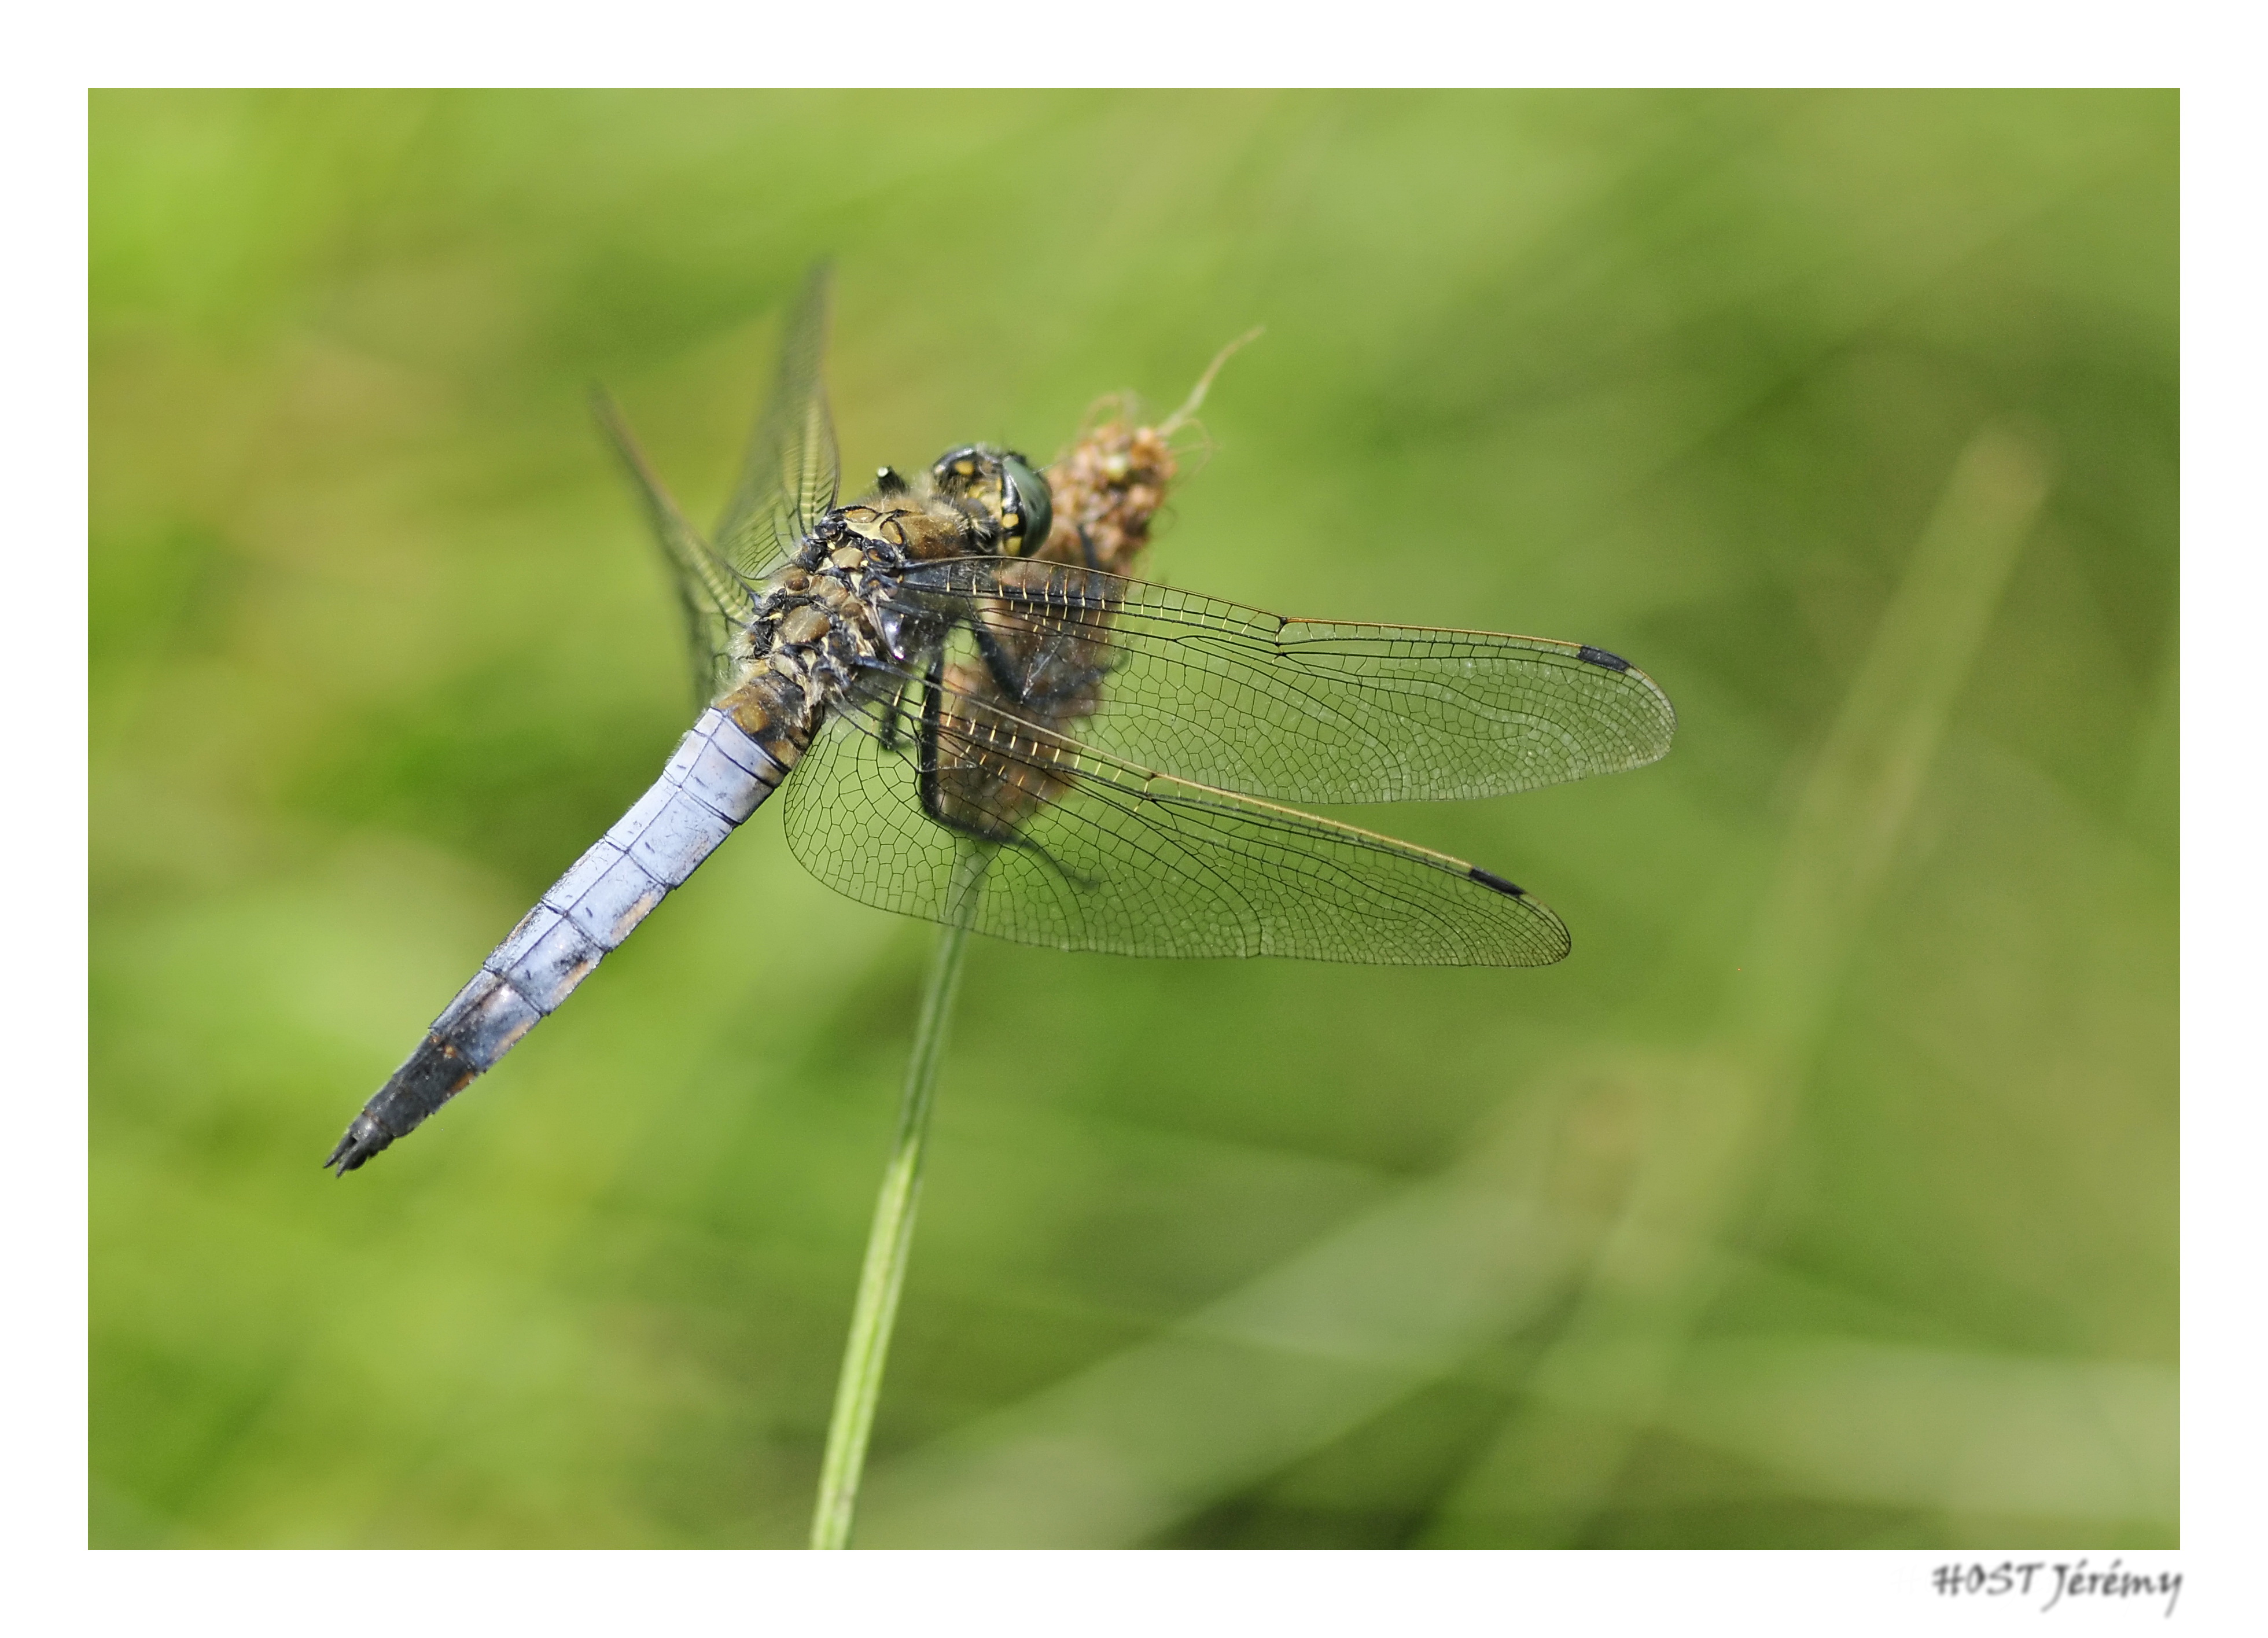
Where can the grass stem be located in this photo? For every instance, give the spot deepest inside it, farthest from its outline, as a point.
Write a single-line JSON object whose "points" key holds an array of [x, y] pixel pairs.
{"points": [[887, 1245]]}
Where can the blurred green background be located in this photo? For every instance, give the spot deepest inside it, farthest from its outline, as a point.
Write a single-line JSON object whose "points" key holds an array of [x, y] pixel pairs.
{"points": [[1826, 1196]]}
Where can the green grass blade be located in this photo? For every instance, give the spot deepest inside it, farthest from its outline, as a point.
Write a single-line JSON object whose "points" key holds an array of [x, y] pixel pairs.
{"points": [[889, 1241]]}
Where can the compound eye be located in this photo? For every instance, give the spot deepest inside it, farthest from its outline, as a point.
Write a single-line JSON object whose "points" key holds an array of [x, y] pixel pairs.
{"points": [[1027, 507], [956, 470]]}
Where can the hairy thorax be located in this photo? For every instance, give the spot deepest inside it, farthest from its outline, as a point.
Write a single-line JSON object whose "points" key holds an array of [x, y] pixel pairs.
{"points": [[828, 617]]}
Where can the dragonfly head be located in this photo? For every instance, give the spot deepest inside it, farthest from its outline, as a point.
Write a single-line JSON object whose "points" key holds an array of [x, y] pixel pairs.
{"points": [[1005, 487]]}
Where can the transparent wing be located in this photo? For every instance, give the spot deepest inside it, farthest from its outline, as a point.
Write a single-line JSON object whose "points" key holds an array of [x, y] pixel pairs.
{"points": [[1298, 710], [1089, 853], [713, 600], [788, 480]]}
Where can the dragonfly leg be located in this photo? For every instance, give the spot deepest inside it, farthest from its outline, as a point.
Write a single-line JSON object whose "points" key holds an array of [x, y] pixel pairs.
{"points": [[926, 763], [997, 661], [892, 734]]}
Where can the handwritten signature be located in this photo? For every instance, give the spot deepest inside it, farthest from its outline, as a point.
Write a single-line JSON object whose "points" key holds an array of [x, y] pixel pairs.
{"points": [[2076, 1580]]}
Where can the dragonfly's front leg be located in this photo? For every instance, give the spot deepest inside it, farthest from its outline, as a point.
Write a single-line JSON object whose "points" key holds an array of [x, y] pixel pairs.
{"points": [[929, 762], [925, 754], [1005, 673], [891, 733]]}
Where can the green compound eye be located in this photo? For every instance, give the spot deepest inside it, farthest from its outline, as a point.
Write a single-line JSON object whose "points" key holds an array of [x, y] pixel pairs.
{"points": [[1026, 510], [1025, 492]]}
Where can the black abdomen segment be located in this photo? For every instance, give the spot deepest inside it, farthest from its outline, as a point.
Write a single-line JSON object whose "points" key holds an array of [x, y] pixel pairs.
{"points": [[717, 778]]}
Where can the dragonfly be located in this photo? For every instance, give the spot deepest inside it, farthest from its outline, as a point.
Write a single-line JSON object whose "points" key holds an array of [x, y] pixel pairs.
{"points": [[972, 725]]}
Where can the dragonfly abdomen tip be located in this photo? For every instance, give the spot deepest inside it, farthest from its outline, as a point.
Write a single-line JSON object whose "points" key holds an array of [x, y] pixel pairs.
{"points": [[364, 1139]]}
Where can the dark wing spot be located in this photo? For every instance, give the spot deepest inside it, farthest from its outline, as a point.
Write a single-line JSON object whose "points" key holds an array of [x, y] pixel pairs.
{"points": [[1601, 658], [1497, 882]]}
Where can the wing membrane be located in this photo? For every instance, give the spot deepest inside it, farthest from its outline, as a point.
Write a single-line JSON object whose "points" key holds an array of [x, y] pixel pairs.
{"points": [[1091, 852], [714, 600], [1301, 710], [788, 480]]}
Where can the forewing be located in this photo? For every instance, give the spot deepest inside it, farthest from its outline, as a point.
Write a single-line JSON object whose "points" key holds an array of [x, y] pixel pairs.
{"points": [[713, 601], [1092, 853], [788, 480], [1304, 710]]}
